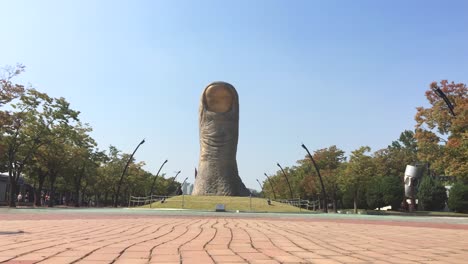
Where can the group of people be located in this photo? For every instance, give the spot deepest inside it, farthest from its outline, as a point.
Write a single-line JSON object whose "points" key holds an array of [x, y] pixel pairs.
{"points": [[44, 198], [25, 199]]}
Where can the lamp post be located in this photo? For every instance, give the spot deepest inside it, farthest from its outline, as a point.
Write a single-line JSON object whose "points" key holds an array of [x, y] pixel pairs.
{"points": [[290, 190], [442, 95], [261, 187], [123, 173], [271, 184], [183, 194], [324, 193], [173, 180], [155, 177], [184, 182]]}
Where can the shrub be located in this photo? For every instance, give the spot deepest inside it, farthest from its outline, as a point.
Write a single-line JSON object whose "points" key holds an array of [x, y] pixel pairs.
{"points": [[393, 191], [374, 194], [431, 195], [348, 201], [458, 198]]}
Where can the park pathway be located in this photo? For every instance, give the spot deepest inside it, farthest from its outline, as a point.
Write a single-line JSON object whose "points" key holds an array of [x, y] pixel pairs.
{"points": [[138, 238]]}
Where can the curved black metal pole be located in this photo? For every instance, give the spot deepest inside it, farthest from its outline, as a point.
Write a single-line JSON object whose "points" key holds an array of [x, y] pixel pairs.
{"points": [[261, 187], [324, 193], [155, 177], [182, 185], [123, 173], [442, 95], [271, 184], [173, 180], [284, 173]]}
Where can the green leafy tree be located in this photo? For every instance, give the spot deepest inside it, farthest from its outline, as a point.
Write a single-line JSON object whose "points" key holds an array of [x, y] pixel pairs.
{"points": [[36, 115], [358, 172], [84, 160], [393, 159], [392, 191], [374, 193], [431, 195], [458, 197], [330, 163], [109, 173]]}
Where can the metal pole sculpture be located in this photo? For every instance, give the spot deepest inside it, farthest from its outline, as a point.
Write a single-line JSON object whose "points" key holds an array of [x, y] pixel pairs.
{"points": [[271, 184], [324, 193], [442, 95], [261, 187], [155, 177], [290, 190], [123, 173]]}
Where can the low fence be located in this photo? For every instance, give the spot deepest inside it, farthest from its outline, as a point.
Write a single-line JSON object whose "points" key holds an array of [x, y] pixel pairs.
{"points": [[180, 202], [135, 201], [305, 204]]}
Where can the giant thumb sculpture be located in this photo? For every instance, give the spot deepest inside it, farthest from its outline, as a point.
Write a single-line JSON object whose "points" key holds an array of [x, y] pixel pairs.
{"points": [[219, 132]]}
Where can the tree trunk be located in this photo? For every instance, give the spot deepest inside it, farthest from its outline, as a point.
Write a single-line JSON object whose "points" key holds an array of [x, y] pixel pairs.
{"points": [[76, 197], [355, 203], [12, 202], [334, 190], [52, 179], [38, 194], [106, 194], [98, 199], [13, 175], [84, 193], [77, 186]]}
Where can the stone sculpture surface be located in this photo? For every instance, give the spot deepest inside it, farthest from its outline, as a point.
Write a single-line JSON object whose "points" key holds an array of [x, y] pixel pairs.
{"points": [[219, 132]]}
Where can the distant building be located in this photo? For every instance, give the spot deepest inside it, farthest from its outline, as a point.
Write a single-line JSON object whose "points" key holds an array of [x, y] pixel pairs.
{"points": [[23, 187], [187, 188], [4, 186]]}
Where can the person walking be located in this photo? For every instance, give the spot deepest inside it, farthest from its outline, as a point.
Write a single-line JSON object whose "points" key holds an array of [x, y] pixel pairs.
{"points": [[19, 198]]}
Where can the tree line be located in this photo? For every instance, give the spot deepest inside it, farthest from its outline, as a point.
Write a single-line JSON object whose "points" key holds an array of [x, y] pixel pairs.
{"points": [[373, 179], [44, 141]]}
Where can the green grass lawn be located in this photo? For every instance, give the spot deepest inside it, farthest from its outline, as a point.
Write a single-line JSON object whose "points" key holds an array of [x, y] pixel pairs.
{"points": [[208, 203]]}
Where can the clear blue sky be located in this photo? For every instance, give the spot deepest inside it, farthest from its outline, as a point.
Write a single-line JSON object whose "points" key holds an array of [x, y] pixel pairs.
{"points": [[345, 73]]}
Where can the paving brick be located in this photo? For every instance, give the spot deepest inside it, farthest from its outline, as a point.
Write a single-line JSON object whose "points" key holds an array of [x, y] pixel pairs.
{"points": [[102, 256], [165, 258], [220, 252], [227, 259], [254, 256], [59, 260], [64, 239]]}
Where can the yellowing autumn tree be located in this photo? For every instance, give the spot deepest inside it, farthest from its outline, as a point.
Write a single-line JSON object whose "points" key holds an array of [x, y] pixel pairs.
{"points": [[442, 137]]}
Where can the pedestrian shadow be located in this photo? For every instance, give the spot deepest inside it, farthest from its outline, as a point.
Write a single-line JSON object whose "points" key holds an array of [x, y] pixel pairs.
{"points": [[12, 232]]}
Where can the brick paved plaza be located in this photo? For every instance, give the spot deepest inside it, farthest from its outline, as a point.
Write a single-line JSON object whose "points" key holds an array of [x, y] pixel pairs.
{"points": [[230, 238]]}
